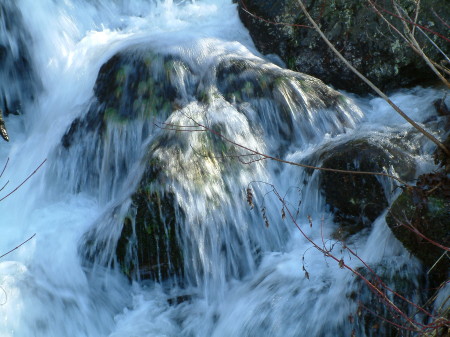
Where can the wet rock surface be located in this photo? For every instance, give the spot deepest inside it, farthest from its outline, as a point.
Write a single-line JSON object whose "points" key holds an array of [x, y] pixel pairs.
{"points": [[137, 87]]}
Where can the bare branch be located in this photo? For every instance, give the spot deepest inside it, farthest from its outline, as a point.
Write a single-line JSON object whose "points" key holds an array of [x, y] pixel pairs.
{"points": [[440, 19], [410, 22], [6, 184], [245, 9], [416, 17]]}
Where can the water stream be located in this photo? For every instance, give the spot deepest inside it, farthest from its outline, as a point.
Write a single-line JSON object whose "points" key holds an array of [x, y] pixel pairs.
{"points": [[241, 269]]}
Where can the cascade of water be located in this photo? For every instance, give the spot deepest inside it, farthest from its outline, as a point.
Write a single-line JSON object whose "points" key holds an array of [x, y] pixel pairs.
{"points": [[123, 196]]}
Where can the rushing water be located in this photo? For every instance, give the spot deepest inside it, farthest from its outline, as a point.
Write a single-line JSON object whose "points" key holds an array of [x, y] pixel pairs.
{"points": [[239, 277]]}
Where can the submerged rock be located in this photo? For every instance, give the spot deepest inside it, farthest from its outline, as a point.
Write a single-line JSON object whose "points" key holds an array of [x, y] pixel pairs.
{"points": [[357, 32], [134, 84], [293, 108], [132, 89]]}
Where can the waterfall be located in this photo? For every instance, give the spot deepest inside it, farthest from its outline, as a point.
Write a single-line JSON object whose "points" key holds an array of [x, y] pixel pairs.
{"points": [[141, 216]]}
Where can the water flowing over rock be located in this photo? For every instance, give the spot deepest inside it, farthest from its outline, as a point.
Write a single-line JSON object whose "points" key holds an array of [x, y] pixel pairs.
{"points": [[18, 80], [157, 213], [140, 86], [357, 32], [134, 87]]}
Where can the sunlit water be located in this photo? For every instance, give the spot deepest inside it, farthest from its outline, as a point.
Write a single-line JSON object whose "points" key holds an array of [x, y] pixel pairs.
{"points": [[242, 279]]}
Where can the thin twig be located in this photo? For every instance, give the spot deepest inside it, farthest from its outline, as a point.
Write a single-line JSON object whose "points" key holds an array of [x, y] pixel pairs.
{"points": [[4, 167], [440, 19], [290, 162], [407, 41], [6, 184], [18, 246], [245, 9], [416, 17], [23, 182], [178, 129], [221, 157], [437, 261], [410, 22], [342, 264]]}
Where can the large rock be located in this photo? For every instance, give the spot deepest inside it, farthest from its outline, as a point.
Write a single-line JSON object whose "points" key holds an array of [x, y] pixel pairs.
{"points": [[420, 219], [357, 200], [356, 31], [246, 100]]}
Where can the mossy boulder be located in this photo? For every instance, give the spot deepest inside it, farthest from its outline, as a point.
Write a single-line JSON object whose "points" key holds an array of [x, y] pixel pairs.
{"points": [[138, 84], [420, 220], [137, 89], [357, 32], [240, 80], [357, 200]]}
